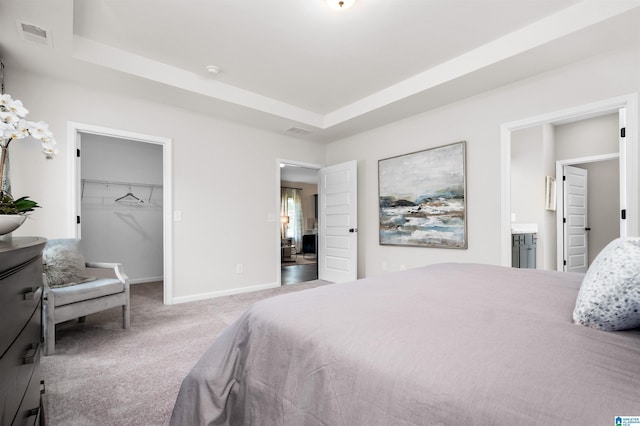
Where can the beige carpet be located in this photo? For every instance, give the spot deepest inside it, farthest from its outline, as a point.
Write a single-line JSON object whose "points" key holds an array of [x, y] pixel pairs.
{"points": [[104, 375]]}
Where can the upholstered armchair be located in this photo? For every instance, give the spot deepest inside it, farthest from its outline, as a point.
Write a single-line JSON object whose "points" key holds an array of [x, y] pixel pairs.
{"points": [[69, 292]]}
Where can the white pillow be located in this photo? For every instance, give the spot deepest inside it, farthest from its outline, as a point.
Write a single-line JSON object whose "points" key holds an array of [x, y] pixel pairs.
{"points": [[609, 297]]}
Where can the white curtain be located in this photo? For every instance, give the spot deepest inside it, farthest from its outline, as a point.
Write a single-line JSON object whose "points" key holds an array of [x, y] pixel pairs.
{"points": [[291, 207]]}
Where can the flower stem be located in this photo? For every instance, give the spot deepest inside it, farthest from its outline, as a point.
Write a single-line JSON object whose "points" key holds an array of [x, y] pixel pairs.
{"points": [[3, 157]]}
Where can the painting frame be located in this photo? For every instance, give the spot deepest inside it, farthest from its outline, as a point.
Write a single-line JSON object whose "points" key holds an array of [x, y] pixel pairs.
{"points": [[422, 198], [550, 193]]}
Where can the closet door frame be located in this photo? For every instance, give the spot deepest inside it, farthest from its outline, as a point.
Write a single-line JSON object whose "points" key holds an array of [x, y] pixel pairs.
{"points": [[75, 130]]}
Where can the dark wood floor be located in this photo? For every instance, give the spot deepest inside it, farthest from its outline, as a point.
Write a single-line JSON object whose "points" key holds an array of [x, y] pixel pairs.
{"points": [[291, 274]]}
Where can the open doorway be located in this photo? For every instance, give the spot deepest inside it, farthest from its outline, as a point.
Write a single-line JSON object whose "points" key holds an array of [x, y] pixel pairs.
{"points": [[582, 157], [298, 223], [141, 189], [621, 112], [589, 198], [121, 206]]}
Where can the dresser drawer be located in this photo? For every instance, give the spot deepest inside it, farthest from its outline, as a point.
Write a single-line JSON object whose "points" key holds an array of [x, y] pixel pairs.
{"points": [[30, 412], [20, 293], [18, 366]]}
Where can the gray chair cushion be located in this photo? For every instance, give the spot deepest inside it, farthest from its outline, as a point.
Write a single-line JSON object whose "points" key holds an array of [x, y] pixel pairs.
{"points": [[85, 291]]}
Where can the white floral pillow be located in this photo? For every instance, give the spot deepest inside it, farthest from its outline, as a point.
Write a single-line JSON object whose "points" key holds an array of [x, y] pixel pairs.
{"points": [[609, 297]]}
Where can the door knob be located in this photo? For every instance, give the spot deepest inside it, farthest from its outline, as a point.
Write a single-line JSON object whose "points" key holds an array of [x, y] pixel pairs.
{"points": [[352, 230]]}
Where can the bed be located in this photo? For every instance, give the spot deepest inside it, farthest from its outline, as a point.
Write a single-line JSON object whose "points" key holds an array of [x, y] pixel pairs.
{"points": [[437, 345]]}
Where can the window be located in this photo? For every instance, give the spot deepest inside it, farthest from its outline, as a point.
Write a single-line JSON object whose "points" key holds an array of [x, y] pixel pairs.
{"points": [[293, 214]]}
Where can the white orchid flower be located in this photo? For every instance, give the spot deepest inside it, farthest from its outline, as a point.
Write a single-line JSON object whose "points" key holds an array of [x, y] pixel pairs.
{"points": [[17, 108], [39, 130], [14, 133], [49, 149], [9, 117], [23, 128], [14, 126], [48, 136], [5, 100], [11, 131]]}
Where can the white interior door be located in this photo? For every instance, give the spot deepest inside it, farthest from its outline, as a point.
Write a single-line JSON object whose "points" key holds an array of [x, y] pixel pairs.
{"points": [[337, 217], [575, 214]]}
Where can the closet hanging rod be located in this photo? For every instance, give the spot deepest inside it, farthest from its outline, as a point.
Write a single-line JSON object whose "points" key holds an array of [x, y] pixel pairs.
{"points": [[111, 182]]}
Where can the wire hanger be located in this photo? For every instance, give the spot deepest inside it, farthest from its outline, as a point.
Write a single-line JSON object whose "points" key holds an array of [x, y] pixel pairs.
{"points": [[130, 197]]}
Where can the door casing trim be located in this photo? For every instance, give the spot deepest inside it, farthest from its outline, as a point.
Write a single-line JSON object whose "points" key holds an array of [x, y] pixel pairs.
{"points": [[74, 130], [628, 158]]}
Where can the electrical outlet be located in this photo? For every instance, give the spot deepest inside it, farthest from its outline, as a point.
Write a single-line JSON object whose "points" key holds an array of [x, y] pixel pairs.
{"points": [[403, 268], [239, 268], [384, 266], [177, 216]]}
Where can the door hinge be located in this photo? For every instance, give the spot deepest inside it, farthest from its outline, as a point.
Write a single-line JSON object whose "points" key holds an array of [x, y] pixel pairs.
{"points": [[78, 152], [623, 213], [564, 178], [564, 220], [564, 263], [78, 220], [623, 132]]}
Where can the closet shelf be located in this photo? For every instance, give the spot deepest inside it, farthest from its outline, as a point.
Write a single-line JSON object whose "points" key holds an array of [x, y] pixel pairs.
{"points": [[112, 182], [117, 183]]}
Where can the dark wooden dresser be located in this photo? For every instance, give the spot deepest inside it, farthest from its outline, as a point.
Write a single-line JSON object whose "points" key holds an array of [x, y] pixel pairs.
{"points": [[21, 331]]}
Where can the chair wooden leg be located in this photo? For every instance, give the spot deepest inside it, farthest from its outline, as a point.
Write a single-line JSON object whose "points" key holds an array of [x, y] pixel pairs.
{"points": [[49, 333], [82, 319], [126, 316]]}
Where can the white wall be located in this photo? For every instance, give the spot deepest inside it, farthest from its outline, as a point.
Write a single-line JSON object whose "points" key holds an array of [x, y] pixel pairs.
{"points": [[528, 170], [527, 175], [549, 259], [224, 180], [121, 231], [476, 120], [587, 138], [225, 174], [603, 198]]}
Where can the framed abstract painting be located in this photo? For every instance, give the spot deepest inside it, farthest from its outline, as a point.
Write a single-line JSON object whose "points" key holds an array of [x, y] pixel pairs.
{"points": [[422, 198]]}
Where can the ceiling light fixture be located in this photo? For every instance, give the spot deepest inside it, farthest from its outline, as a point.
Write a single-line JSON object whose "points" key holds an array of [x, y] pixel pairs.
{"points": [[212, 69], [340, 4]]}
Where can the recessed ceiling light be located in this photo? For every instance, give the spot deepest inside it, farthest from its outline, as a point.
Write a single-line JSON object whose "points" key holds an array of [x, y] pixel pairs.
{"points": [[340, 4], [212, 69]]}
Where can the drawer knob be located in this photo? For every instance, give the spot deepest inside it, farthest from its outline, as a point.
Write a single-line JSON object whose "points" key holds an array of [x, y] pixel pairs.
{"points": [[33, 412], [32, 293], [32, 352]]}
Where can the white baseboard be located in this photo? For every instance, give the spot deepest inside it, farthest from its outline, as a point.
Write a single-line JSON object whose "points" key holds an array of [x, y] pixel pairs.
{"points": [[221, 293], [145, 280]]}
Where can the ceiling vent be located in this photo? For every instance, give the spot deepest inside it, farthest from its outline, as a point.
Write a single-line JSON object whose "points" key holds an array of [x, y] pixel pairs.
{"points": [[299, 131], [34, 34]]}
